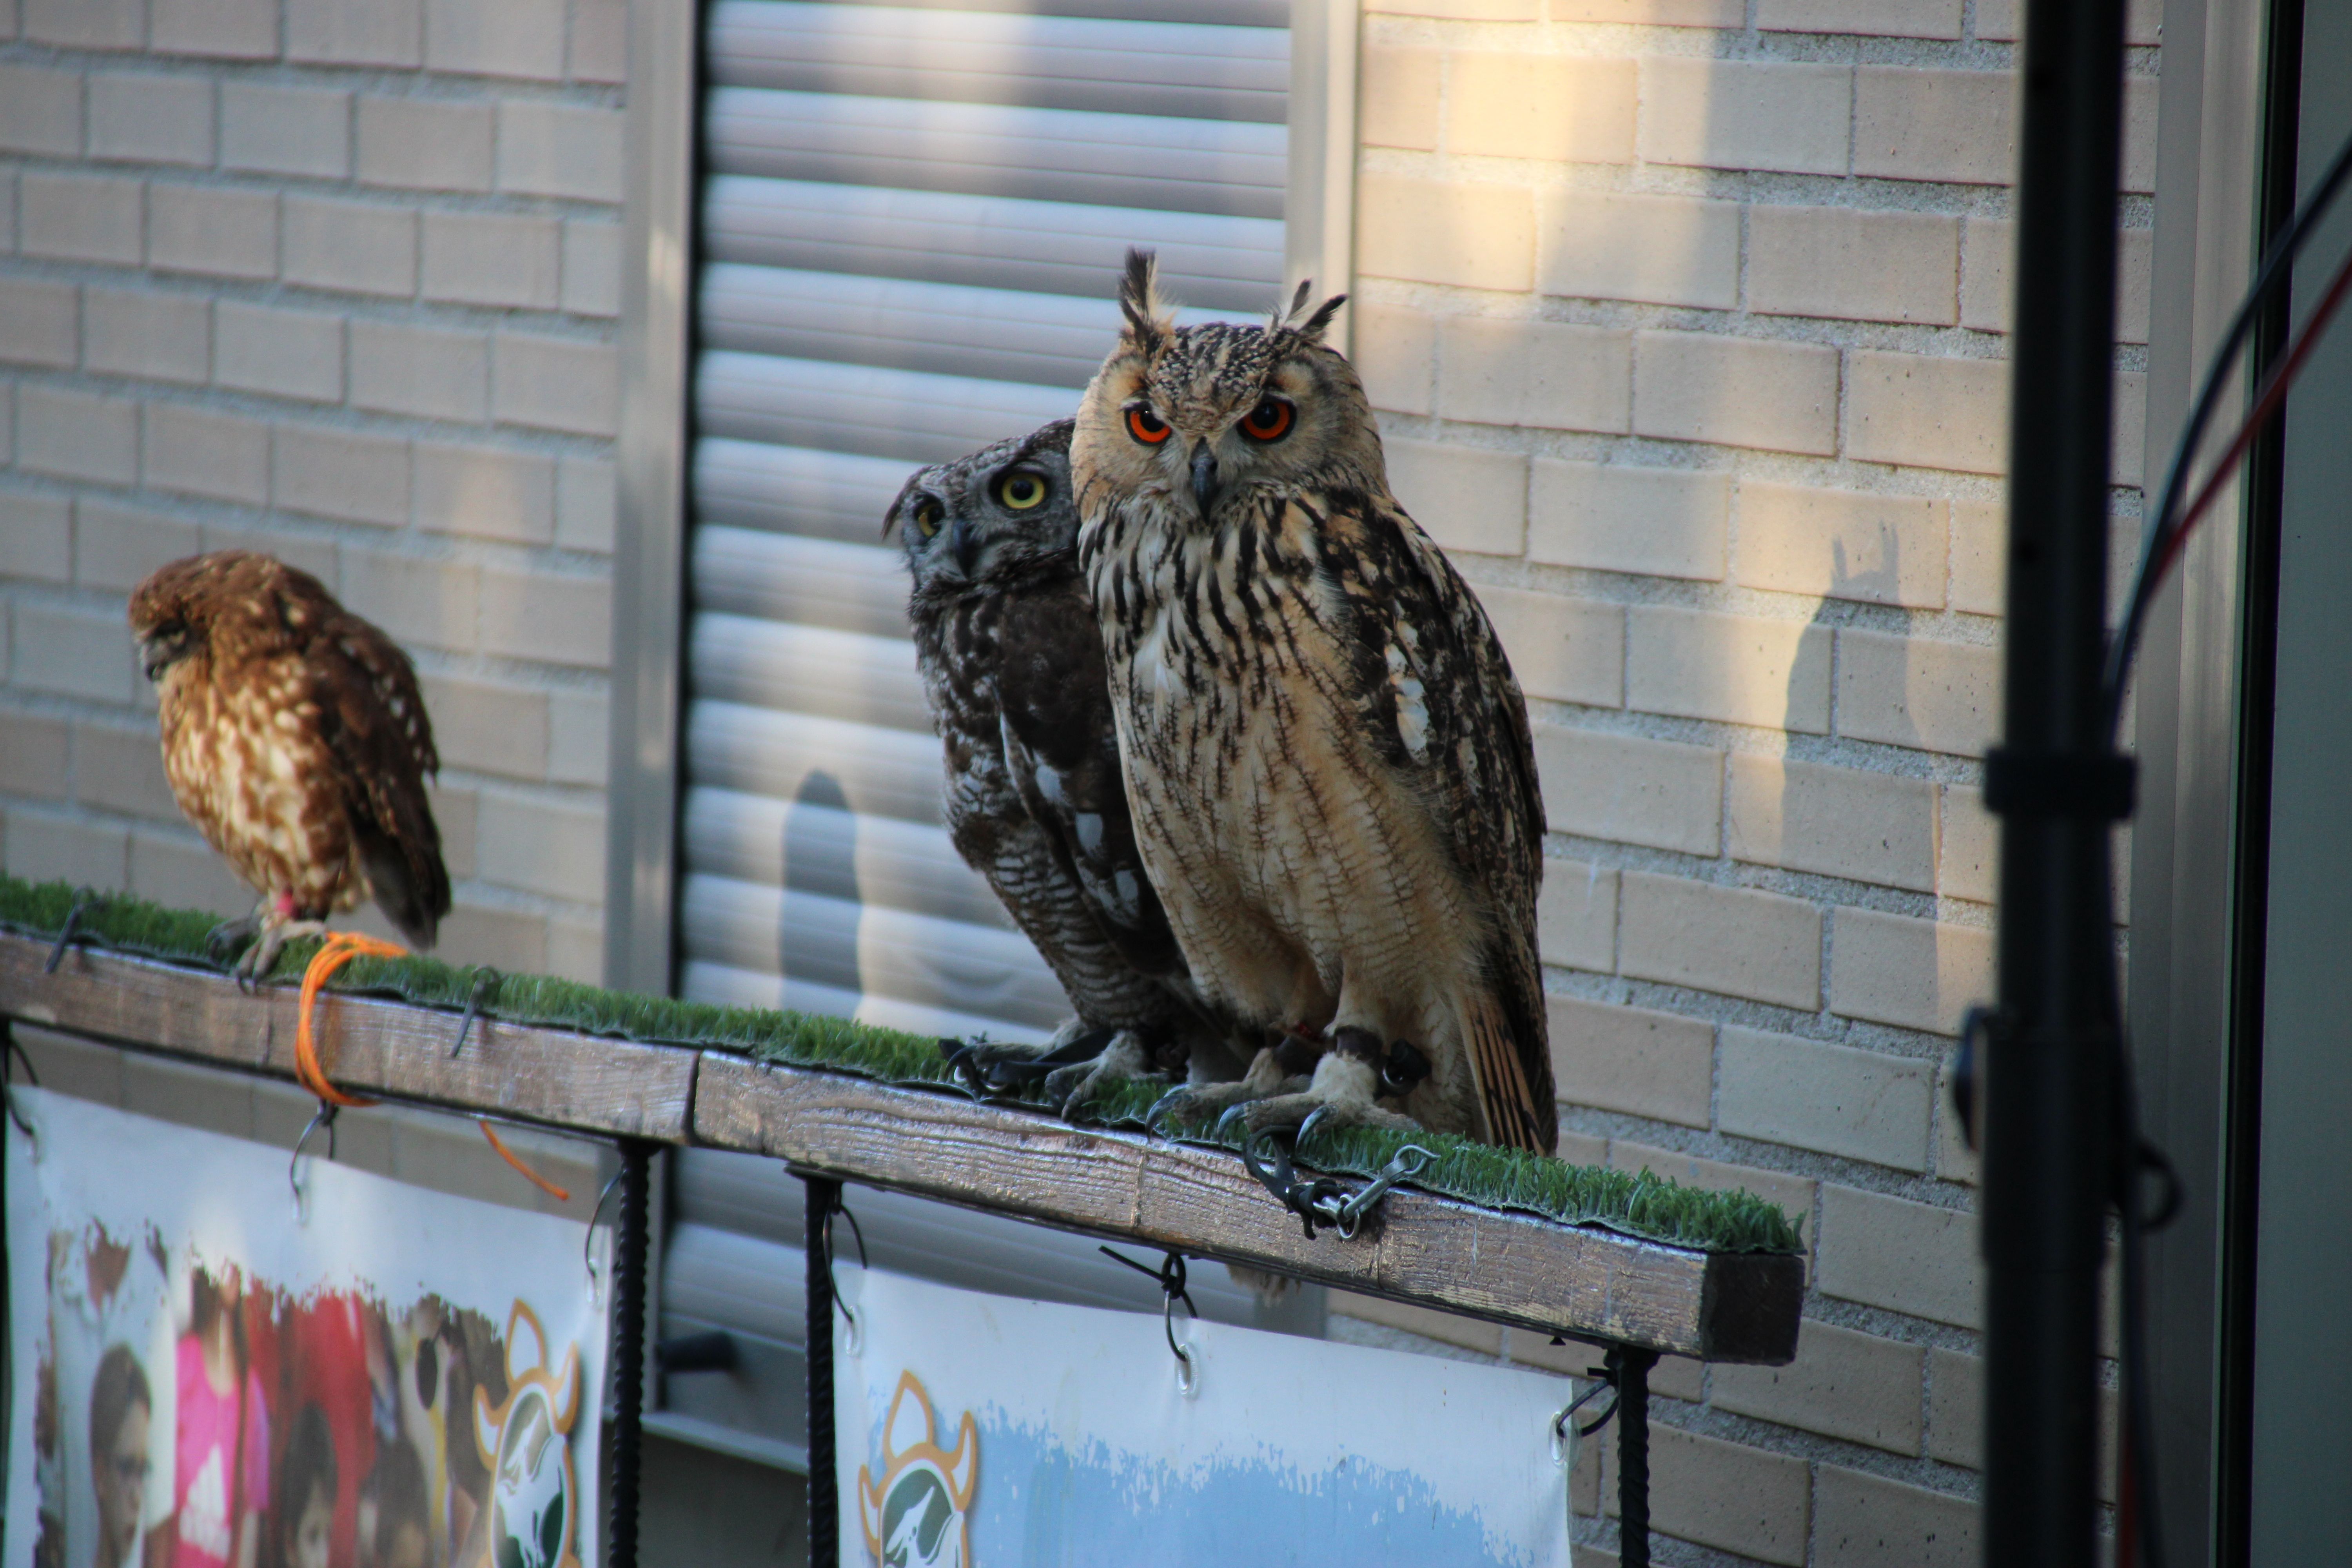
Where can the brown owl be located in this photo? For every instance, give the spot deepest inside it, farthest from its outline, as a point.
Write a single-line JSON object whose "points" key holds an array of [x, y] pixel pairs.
{"points": [[295, 738], [1327, 758], [1012, 667]]}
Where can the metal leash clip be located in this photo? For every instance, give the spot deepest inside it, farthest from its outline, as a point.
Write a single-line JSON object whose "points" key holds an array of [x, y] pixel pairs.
{"points": [[1323, 1201]]}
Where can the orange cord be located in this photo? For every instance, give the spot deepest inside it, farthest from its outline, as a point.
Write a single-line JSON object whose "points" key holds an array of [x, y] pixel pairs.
{"points": [[339, 949]]}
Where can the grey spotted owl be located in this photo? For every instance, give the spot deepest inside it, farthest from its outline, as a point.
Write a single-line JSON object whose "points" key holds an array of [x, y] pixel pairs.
{"points": [[1328, 757], [1012, 667]]}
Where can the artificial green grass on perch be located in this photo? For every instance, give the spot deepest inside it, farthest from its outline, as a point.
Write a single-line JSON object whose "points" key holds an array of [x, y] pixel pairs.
{"points": [[1636, 1204]]}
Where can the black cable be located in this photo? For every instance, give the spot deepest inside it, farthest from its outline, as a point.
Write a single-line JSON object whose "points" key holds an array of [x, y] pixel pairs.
{"points": [[630, 1242]]}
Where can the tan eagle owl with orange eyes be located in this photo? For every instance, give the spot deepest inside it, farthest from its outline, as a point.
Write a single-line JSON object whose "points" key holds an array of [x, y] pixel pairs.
{"points": [[1328, 760], [295, 738]]}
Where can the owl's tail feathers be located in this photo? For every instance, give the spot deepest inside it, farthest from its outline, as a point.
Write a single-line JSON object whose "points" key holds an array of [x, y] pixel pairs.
{"points": [[1507, 1100]]}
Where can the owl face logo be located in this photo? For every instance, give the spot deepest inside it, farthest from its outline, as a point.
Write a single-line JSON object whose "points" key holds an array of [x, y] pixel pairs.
{"points": [[918, 1514], [526, 1442]]}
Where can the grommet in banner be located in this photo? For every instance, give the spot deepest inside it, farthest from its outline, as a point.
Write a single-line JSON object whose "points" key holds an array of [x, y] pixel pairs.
{"points": [[588, 1242], [855, 1339]]}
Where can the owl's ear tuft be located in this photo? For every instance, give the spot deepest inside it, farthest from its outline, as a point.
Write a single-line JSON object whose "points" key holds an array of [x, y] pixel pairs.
{"points": [[1148, 320], [1313, 328]]}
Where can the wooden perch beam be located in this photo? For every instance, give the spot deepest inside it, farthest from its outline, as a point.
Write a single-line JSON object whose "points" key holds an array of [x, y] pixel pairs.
{"points": [[1516, 1268]]}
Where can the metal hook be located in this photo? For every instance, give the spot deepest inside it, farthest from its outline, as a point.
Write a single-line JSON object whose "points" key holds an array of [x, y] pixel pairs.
{"points": [[1606, 1374], [83, 899], [1171, 1278], [487, 981], [857, 1329], [1564, 1426], [588, 1242], [324, 1116]]}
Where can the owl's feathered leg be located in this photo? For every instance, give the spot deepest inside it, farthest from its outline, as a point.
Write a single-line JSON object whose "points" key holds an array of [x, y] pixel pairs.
{"points": [[1349, 1080]]}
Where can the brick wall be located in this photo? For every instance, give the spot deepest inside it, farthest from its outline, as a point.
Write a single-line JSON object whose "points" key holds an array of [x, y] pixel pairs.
{"points": [[336, 280], [1685, 322]]}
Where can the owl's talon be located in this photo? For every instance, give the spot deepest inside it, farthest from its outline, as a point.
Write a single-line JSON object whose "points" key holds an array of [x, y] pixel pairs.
{"points": [[226, 940], [1232, 1113]]}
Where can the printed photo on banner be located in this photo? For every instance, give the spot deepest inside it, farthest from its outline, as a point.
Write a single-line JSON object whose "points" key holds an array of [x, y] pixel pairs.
{"points": [[385, 1378]]}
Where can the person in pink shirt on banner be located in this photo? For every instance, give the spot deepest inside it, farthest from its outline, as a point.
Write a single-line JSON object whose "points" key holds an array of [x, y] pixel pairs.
{"points": [[220, 1485]]}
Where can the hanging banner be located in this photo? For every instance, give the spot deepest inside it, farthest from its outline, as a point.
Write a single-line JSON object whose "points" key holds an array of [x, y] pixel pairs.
{"points": [[984, 1431], [208, 1373]]}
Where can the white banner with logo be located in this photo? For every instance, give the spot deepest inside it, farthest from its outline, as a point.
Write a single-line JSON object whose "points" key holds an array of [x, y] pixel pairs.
{"points": [[976, 1429], [208, 1373]]}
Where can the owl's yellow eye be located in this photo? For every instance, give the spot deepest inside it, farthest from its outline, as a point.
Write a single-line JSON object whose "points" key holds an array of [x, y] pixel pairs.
{"points": [[1269, 421], [1146, 426], [1022, 490], [928, 513]]}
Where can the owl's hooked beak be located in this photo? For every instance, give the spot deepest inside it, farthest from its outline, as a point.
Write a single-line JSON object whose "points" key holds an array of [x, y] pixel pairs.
{"points": [[161, 649], [964, 545], [1204, 478]]}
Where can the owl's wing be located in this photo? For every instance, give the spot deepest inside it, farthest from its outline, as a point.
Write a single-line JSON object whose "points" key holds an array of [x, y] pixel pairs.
{"points": [[1437, 695], [374, 722], [1062, 748]]}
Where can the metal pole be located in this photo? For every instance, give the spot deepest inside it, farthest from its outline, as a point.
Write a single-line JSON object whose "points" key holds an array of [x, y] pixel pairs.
{"points": [[2049, 1079], [1632, 1368], [824, 1196], [628, 1348]]}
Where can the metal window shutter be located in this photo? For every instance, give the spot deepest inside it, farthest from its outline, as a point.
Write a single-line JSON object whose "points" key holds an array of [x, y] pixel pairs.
{"points": [[912, 220]]}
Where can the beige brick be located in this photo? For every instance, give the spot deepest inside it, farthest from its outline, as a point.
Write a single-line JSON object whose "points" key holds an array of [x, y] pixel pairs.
{"points": [[1928, 412], [1395, 352], [307, 552], [1660, 250], [1843, 264], [144, 117], [2135, 264], [85, 23], [121, 770], [580, 737], [183, 873], [362, 248], [140, 333], [225, 29], [484, 727], [2128, 444], [600, 39], [1737, 114], [1980, 557], [1630, 789], [1619, 516], [2139, 133], [556, 620], [1469, 1333], [513, 39], [273, 129], [1631, 1059], [39, 323], [1562, 108], [33, 756], [560, 149], [1918, 974], [116, 546], [1560, 649], [487, 492], [427, 145], [1859, 1104], [1740, 669], [556, 384], [503, 939], [422, 371], [45, 848], [1956, 1408], [1878, 18], [199, 228], [436, 602], [1838, 822], [78, 1068], [1950, 125], [1841, 544], [1736, 942], [1544, 374], [591, 267], [453, 808], [355, 32], [1842, 1385], [344, 474], [38, 533], [493, 258], [1723, 1495], [1905, 1256], [1955, 1161], [72, 652], [1461, 10], [1912, 692], [1869, 1521], [586, 504], [575, 950], [40, 112], [1445, 231], [1467, 498], [77, 434], [1396, 96], [1737, 392], [77, 217], [1653, 13], [1576, 916], [202, 451], [1986, 291], [538, 848], [287, 354], [1970, 846]]}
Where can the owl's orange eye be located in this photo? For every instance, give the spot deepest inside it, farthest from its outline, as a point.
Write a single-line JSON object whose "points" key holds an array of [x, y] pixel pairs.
{"points": [[1269, 421], [1146, 426]]}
